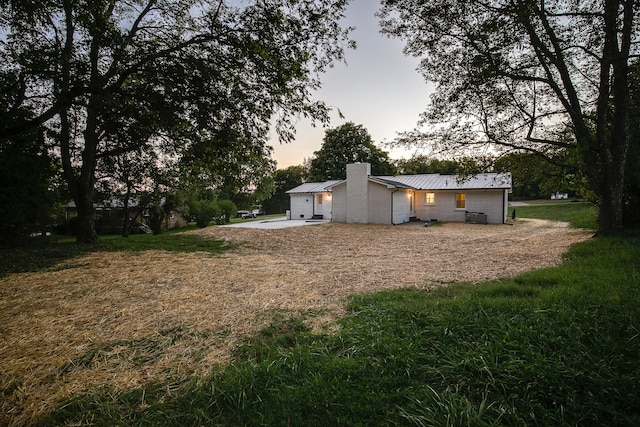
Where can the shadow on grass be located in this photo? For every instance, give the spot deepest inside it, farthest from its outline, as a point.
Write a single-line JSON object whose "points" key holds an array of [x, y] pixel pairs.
{"points": [[43, 253]]}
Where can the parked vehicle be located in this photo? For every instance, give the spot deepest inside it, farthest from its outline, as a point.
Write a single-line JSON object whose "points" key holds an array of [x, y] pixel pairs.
{"points": [[257, 210], [253, 213]]}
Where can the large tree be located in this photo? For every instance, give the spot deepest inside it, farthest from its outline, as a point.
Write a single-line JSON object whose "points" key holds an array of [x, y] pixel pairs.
{"points": [[537, 177], [512, 74], [423, 164], [232, 165], [345, 144], [284, 180], [176, 71]]}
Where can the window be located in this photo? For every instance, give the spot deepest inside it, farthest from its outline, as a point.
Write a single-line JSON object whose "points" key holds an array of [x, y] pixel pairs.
{"points": [[461, 200], [430, 198], [319, 198]]}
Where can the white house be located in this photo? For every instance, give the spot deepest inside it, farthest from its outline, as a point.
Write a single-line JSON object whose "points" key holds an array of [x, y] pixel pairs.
{"points": [[366, 199]]}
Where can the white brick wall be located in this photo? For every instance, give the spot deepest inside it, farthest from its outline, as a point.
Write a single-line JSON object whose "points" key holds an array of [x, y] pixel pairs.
{"points": [[401, 206], [301, 206], [379, 207], [339, 203], [358, 193], [490, 202]]}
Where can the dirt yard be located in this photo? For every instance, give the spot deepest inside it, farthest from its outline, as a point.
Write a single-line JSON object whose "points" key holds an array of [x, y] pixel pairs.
{"points": [[124, 320]]}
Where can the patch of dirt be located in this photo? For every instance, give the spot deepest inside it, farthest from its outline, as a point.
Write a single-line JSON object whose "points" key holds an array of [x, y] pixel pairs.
{"points": [[124, 320]]}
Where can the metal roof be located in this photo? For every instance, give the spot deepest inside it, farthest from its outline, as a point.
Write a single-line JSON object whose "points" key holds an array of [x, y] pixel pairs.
{"points": [[483, 181], [453, 182], [313, 187], [389, 181]]}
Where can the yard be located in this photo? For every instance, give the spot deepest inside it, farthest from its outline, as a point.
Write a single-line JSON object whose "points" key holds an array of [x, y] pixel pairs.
{"points": [[122, 320]]}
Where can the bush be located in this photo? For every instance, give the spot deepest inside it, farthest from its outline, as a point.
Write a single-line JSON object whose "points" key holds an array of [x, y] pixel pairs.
{"points": [[228, 210], [204, 211]]}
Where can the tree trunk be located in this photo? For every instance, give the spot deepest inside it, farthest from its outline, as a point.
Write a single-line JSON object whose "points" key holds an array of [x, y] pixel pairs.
{"points": [[612, 131], [86, 218], [126, 225], [87, 180], [86, 184], [610, 207]]}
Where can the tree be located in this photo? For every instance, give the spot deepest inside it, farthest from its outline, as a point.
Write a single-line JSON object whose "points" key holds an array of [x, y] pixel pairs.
{"points": [[536, 177], [236, 168], [124, 176], [346, 144], [631, 209], [169, 70], [228, 210], [513, 74], [284, 180], [27, 198], [422, 164], [417, 164]]}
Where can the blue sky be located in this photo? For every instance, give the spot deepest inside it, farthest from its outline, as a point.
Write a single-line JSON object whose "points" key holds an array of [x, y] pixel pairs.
{"points": [[379, 88]]}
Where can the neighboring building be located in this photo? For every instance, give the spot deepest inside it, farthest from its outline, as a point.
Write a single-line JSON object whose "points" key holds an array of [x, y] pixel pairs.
{"points": [[366, 199], [109, 215]]}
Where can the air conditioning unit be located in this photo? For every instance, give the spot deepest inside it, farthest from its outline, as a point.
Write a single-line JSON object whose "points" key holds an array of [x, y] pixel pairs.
{"points": [[476, 217]]}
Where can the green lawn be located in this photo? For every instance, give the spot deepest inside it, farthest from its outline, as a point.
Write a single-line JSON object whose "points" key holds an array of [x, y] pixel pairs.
{"points": [[44, 253], [259, 218], [579, 214], [554, 347]]}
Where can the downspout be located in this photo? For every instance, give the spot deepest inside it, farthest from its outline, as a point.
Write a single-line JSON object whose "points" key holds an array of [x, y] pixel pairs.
{"points": [[392, 193], [331, 220], [313, 205], [505, 211]]}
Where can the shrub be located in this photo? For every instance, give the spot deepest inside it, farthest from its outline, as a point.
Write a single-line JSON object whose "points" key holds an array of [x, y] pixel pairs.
{"points": [[228, 210], [204, 211]]}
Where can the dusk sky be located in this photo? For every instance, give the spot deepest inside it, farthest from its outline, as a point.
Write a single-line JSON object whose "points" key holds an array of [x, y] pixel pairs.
{"points": [[379, 88]]}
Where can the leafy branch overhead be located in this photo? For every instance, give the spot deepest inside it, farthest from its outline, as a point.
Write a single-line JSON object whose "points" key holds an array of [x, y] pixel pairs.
{"points": [[112, 77], [515, 75]]}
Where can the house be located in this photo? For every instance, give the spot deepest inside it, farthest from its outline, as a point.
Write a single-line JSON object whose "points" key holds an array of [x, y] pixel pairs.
{"points": [[109, 215], [312, 200], [366, 199]]}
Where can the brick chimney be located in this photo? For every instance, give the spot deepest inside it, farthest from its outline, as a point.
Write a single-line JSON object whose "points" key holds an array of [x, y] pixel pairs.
{"points": [[358, 193]]}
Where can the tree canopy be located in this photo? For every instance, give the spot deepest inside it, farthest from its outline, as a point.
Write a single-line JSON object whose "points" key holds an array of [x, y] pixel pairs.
{"points": [[27, 199], [110, 77], [284, 180], [349, 143], [513, 75]]}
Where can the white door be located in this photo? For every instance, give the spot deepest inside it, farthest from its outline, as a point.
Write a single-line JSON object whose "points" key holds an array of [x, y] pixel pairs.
{"points": [[318, 207]]}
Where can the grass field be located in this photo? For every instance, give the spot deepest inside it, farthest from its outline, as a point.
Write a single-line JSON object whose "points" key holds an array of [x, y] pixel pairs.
{"points": [[578, 214], [43, 253], [557, 347]]}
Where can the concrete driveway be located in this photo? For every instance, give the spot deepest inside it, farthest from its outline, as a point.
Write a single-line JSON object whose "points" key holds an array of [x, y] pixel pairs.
{"points": [[275, 223]]}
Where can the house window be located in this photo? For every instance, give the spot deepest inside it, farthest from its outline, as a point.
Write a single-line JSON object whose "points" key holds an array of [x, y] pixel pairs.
{"points": [[319, 198], [461, 199], [430, 198]]}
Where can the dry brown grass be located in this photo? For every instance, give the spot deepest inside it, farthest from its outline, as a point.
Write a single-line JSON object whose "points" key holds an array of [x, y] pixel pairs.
{"points": [[121, 320]]}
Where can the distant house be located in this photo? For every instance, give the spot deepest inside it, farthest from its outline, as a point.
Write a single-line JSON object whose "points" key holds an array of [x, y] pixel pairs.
{"points": [[366, 199], [109, 215]]}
